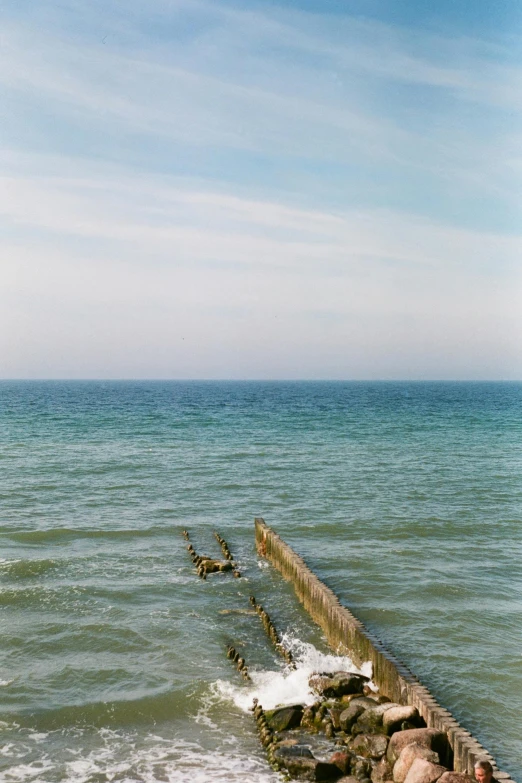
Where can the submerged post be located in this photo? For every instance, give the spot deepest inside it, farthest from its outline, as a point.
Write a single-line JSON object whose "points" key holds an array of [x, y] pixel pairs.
{"points": [[348, 635]]}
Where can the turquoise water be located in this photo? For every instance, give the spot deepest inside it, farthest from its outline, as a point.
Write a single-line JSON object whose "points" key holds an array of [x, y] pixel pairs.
{"points": [[406, 498]]}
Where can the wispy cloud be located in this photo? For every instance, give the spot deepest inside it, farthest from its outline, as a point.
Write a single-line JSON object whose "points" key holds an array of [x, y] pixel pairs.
{"points": [[276, 184]]}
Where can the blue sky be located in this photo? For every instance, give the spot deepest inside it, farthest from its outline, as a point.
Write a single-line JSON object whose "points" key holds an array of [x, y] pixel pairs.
{"points": [[214, 189]]}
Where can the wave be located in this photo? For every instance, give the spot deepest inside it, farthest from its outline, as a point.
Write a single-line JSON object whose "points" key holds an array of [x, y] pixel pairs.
{"points": [[287, 686], [27, 569], [120, 755], [64, 535]]}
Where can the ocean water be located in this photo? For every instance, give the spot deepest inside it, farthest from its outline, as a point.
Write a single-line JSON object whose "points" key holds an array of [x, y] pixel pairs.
{"points": [[406, 498]]}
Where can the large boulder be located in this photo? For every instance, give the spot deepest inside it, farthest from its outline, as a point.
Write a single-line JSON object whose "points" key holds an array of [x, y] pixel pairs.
{"points": [[369, 746], [305, 766], [394, 717], [337, 684], [356, 707], [428, 738], [422, 771], [348, 716], [284, 718], [371, 720], [408, 755], [456, 777]]}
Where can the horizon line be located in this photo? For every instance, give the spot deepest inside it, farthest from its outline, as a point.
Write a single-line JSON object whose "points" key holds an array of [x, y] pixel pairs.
{"points": [[257, 380]]}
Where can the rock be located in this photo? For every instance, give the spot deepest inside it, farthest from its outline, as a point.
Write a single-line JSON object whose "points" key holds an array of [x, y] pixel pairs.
{"points": [[347, 779], [342, 760], [422, 771], [362, 768], [306, 767], [456, 777], [370, 746], [335, 716], [308, 718], [372, 718], [348, 716], [287, 743], [382, 771], [408, 755], [394, 717], [284, 718], [337, 684], [293, 751], [428, 738]]}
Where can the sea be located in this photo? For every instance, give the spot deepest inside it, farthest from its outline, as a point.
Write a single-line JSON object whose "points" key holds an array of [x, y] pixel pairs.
{"points": [[405, 498]]}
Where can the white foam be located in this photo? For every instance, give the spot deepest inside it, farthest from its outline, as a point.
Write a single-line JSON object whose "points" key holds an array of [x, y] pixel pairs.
{"points": [[288, 686], [171, 760]]}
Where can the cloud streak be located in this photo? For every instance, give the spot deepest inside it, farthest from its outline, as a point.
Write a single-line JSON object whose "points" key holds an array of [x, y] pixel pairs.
{"points": [[302, 195]]}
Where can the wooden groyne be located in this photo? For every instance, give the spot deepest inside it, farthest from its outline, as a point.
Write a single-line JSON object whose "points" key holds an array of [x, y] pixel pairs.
{"points": [[348, 635]]}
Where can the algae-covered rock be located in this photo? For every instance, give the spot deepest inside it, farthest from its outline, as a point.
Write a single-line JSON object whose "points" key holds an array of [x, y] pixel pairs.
{"points": [[304, 766], [348, 716], [371, 720], [370, 746], [356, 707], [422, 771], [284, 718]]}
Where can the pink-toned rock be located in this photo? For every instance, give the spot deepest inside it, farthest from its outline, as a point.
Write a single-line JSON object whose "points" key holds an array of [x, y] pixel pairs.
{"points": [[382, 772], [428, 738], [408, 756], [456, 777], [393, 717], [422, 771], [342, 760]]}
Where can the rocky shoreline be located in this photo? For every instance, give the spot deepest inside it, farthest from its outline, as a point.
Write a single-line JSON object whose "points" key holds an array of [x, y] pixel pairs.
{"points": [[353, 735]]}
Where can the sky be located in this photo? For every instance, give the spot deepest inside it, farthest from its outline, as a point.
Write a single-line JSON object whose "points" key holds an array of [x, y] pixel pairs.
{"points": [[261, 189]]}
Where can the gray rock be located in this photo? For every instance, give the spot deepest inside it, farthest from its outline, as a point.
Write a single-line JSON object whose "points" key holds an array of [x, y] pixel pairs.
{"points": [[372, 718], [361, 768], [306, 767], [408, 755], [394, 717], [422, 771], [369, 746], [348, 716], [284, 718], [337, 684], [428, 738]]}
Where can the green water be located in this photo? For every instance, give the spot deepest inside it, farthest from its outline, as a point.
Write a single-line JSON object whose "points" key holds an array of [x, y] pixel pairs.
{"points": [[405, 498]]}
